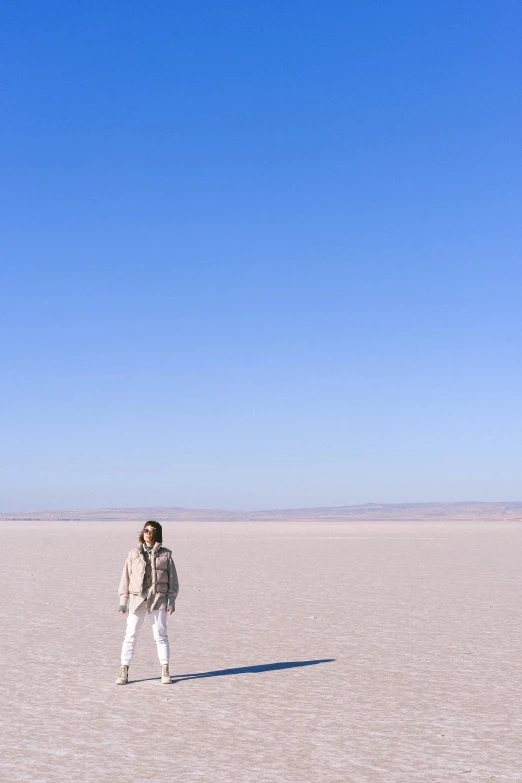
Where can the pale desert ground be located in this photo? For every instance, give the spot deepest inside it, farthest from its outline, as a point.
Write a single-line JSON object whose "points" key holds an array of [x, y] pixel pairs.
{"points": [[303, 653]]}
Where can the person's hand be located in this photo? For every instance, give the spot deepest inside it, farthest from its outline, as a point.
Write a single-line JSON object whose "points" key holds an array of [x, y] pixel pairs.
{"points": [[122, 611], [170, 611]]}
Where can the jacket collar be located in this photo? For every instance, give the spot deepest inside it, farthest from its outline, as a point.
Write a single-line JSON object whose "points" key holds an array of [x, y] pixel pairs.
{"points": [[141, 548]]}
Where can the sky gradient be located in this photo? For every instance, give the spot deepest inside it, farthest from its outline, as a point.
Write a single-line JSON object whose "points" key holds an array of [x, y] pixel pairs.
{"points": [[260, 254]]}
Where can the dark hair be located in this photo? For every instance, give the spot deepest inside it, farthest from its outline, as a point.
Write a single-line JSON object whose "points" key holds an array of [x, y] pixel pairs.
{"points": [[158, 531]]}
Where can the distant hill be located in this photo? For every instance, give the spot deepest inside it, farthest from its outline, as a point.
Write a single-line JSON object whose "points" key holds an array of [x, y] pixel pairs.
{"points": [[421, 512]]}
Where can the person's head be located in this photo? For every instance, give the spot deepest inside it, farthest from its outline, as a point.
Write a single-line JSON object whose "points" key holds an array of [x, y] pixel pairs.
{"points": [[152, 532]]}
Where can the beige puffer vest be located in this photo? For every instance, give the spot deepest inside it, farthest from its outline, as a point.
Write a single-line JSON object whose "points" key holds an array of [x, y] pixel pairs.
{"points": [[164, 586]]}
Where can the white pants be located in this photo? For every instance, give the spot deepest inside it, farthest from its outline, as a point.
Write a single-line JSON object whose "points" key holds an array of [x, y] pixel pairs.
{"points": [[135, 621]]}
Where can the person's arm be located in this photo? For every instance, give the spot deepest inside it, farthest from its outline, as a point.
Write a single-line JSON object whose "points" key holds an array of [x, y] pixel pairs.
{"points": [[123, 589], [173, 590]]}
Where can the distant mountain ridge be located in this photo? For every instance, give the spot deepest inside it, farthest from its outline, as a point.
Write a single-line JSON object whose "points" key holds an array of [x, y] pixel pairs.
{"points": [[463, 511]]}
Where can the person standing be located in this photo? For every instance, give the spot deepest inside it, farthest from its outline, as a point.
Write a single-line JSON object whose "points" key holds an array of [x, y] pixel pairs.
{"points": [[148, 589]]}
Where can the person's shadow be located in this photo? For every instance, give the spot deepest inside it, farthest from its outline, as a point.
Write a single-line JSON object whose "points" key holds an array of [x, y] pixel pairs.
{"points": [[263, 667]]}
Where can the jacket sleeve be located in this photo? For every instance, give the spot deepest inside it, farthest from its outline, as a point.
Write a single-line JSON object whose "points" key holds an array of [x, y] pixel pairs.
{"points": [[123, 589], [173, 590]]}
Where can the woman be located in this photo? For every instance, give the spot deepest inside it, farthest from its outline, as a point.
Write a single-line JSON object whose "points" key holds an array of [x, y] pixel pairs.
{"points": [[148, 588]]}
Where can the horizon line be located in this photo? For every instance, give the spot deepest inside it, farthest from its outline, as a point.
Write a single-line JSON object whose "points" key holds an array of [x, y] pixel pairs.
{"points": [[372, 504]]}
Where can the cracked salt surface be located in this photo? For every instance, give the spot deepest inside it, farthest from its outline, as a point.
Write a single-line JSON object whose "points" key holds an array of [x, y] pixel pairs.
{"points": [[367, 654]]}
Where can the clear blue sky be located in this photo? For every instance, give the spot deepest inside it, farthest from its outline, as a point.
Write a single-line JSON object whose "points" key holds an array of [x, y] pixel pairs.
{"points": [[260, 254]]}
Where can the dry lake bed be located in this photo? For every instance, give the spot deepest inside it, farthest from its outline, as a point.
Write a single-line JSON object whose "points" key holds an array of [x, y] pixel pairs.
{"points": [[302, 653]]}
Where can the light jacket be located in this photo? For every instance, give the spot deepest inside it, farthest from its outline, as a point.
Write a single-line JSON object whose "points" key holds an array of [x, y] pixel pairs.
{"points": [[164, 586]]}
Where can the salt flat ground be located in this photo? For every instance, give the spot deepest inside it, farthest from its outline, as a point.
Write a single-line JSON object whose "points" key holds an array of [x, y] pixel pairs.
{"points": [[303, 653]]}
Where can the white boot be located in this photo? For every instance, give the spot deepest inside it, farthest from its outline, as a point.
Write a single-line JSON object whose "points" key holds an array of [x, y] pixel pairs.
{"points": [[123, 679], [165, 676]]}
